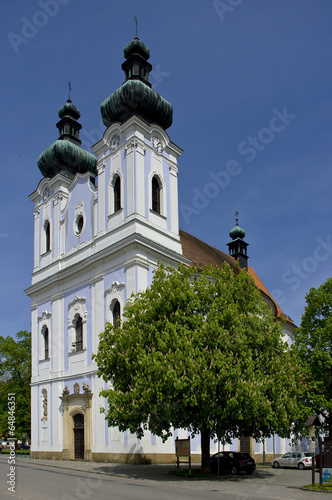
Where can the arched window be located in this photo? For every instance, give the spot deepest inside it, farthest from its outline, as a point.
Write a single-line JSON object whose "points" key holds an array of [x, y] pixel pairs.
{"points": [[155, 195], [116, 314], [79, 334], [47, 229], [46, 344], [117, 194]]}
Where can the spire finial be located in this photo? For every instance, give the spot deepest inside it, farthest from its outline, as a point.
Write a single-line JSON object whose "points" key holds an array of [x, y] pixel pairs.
{"points": [[69, 89], [237, 217], [136, 22]]}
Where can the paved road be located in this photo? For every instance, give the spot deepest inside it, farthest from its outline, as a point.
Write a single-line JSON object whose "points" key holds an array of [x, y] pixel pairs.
{"points": [[45, 480]]}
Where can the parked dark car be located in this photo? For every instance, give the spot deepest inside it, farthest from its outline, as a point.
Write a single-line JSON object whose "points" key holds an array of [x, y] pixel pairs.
{"points": [[233, 462]]}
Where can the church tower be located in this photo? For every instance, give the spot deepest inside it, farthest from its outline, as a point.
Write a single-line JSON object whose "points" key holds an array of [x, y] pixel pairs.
{"points": [[102, 223], [238, 247]]}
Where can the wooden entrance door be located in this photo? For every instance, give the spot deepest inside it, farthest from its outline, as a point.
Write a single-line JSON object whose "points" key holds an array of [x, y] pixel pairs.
{"points": [[79, 436]]}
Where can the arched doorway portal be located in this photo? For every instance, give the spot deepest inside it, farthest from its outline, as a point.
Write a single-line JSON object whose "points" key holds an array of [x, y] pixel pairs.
{"points": [[79, 436], [77, 423]]}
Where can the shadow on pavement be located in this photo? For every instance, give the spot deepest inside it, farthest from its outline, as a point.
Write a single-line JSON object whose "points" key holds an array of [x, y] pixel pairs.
{"points": [[168, 473]]}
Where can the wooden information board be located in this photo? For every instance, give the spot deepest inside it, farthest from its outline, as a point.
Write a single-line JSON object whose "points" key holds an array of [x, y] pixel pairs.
{"points": [[182, 449]]}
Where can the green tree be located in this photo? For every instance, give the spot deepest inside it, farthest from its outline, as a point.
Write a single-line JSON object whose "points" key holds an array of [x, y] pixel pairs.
{"points": [[313, 341], [199, 350], [15, 377]]}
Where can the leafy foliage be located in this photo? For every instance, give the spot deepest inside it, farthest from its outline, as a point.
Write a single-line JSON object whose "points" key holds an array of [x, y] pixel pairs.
{"points": [[199, 350], [313, 341], [15, 375]]}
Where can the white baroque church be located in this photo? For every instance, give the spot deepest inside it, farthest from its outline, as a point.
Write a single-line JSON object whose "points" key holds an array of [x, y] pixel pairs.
{"points": [[101, 224]]}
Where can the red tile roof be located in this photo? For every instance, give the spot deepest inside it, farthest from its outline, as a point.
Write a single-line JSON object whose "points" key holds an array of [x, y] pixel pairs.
{"points": [[202, 254]]}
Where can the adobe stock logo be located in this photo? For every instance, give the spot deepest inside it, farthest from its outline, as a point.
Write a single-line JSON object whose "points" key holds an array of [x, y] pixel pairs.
{"points": [[223, 8], [265, 135], [157, 76], [40, 18], [84, 489], [249, 150], [297, 273]]}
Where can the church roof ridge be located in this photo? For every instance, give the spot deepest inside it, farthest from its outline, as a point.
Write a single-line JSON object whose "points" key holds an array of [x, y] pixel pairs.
{"points": [[202, 254]]}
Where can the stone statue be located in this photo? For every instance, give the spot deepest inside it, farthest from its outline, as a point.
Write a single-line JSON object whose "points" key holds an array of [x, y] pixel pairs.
{"points": [[45, 407], [65, 391]]}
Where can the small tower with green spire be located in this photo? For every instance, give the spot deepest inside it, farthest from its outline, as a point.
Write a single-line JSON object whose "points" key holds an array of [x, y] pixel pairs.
{"points": [[238, 247], [66, 155]]}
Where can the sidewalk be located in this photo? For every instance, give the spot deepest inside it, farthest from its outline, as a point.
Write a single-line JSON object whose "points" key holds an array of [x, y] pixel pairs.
{"points": [[151, 471], [113, 469]]}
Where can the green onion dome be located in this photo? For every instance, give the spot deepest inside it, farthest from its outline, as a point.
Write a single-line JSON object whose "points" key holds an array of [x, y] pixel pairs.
{"points": [[135, 96], [138, 47], [69, 109], [237, 231], [66, 155]]}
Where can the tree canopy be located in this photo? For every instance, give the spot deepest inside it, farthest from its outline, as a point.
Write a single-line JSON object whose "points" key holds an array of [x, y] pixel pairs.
{"points": [[200, 350], [15, 377], [313, 341]]}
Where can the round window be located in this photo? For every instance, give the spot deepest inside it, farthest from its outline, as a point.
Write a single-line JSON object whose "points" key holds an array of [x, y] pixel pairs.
{"points": [[79, 224]]}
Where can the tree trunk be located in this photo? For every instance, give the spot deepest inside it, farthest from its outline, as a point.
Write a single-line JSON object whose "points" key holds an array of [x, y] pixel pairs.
{"points": [[205, 449]]}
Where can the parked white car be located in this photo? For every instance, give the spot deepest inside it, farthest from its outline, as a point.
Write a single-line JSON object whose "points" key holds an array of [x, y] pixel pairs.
{"points": [[295, 459]]}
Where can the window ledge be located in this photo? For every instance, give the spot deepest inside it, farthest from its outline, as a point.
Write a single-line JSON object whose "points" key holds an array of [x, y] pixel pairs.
{"points": [[45, 360], [72, 353], [159, 215], [46, 253], [115, 213]]}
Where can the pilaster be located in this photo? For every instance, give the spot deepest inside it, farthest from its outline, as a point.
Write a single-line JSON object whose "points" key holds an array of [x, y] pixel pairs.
{"points": [[130, 188], [101, 199], [34, 341], [56, 225], [36, 237], [57, 334], [174, 215], [98, 310], [139, 177]]}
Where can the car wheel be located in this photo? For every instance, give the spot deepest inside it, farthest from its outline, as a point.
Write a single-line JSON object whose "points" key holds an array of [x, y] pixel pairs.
{"points": [[234, 470], [276, 465], [300, 466]]}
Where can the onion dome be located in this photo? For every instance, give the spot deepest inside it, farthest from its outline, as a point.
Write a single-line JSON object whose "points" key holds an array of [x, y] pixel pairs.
{"points": [[138, 47], [135, 96], [65, 154], [237, 231]]}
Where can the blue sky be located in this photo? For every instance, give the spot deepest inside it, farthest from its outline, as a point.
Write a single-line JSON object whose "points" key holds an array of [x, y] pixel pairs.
{"points": [[251, 86]]}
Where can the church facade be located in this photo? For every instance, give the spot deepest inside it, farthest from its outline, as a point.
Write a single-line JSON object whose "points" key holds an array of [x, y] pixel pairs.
{"points": [[101, 224]]}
